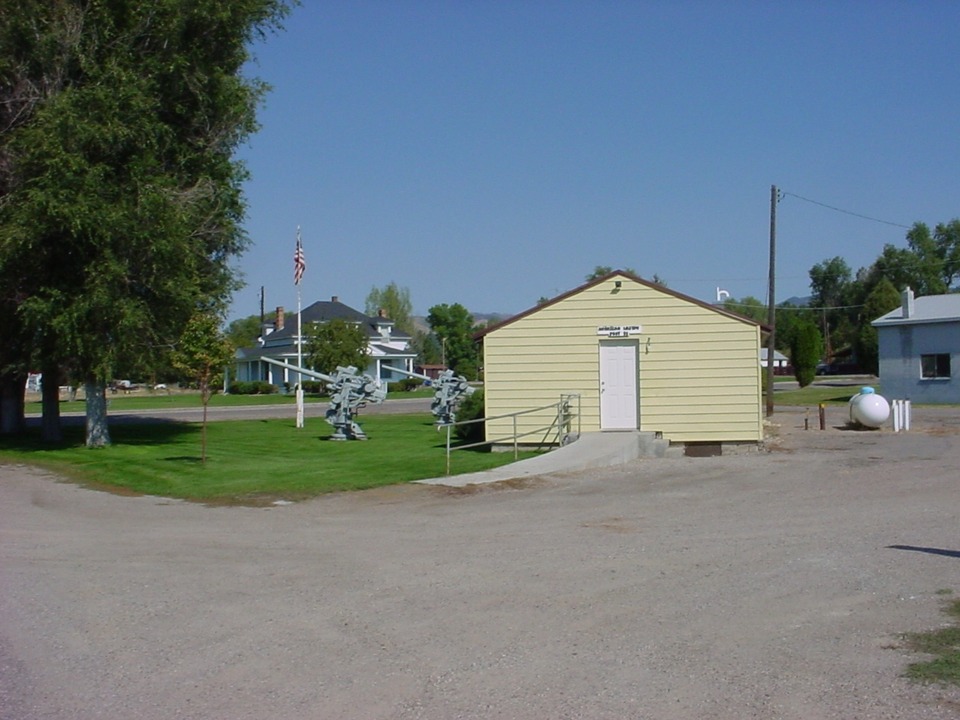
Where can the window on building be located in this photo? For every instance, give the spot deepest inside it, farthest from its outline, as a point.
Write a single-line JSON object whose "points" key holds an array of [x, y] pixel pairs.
{"points": [[935, 366]]}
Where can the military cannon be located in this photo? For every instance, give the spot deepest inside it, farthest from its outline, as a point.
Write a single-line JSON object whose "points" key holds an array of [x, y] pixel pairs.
{"points": [[348, 393], [449, 391]]}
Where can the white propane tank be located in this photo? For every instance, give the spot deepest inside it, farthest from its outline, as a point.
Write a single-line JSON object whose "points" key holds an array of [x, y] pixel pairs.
{"points": [[869, 409]]}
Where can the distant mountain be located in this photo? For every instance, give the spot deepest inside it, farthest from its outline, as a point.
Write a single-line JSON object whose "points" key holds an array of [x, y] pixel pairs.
{"points": [[798, 301]]}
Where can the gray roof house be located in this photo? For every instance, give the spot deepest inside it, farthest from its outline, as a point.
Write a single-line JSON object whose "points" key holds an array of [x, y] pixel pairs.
{"points": [[919, 347], [387, 347], [780, 361]]}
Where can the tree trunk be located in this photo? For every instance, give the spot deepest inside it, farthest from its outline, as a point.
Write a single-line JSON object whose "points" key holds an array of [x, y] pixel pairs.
{"points": [[50, 430], [98, 433], [12, 387]]}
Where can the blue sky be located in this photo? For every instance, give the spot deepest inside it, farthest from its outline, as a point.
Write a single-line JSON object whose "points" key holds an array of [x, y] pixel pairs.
{"points": [[490, 153]]}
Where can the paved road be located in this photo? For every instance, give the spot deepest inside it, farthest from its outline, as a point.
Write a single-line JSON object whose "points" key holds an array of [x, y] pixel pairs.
{"points": [[246, 412], [765, 586]]}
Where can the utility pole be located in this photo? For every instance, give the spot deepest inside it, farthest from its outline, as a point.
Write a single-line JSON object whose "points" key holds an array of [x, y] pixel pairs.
{"points": [[771, 298], [263, 317]]}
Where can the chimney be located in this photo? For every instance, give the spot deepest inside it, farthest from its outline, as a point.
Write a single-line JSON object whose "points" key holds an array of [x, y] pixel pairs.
{"points": [[279, 322], [907, 300], [381, 313], [334, 299]]}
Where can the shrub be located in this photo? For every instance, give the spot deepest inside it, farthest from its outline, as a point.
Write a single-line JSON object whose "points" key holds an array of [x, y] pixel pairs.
{"points": [[471, 408], [406, 384], [805, 353], [254, 387], [314, 387]]}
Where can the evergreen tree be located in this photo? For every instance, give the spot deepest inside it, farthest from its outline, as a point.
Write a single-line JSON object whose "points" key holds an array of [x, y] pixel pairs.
{"points": [[806, 352]]}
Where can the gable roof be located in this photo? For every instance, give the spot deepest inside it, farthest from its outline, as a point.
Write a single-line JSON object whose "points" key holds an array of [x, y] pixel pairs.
{"points": [[926, 309], [627, 276], [777, 355], [325, 310]]}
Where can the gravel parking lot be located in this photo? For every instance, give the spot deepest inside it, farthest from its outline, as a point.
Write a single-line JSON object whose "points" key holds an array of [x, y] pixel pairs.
{"points": [[770, 585]]}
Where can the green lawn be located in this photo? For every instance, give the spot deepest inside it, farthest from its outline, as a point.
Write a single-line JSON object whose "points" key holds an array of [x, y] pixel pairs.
{"points": [[943, 645], [253, 461], [263, 460], [816, 394], [159, 400]]}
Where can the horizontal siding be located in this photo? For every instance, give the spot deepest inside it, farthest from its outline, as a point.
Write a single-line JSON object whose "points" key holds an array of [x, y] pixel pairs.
{"points": [[699, 374]]}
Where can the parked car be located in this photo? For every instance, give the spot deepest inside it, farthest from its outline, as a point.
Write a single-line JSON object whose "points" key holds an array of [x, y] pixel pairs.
{"points": [[827, 369]]}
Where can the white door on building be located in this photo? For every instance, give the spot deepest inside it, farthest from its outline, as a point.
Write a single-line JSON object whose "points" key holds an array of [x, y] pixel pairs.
{"points": [[618, 385]]}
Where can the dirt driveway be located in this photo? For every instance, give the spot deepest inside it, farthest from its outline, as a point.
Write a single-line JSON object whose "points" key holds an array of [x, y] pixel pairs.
{"points": [[771, 585]]}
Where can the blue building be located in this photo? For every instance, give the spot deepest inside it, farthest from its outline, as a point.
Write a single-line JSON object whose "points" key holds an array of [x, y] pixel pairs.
{"points": [[919, 346]]}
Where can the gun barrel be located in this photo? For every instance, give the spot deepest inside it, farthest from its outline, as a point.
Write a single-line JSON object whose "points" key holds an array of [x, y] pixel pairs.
{"points": [[301, 370], [408, 373]]}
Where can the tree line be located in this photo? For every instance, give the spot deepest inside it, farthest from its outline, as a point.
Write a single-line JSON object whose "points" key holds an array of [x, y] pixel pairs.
{"points": [[834, 326]]}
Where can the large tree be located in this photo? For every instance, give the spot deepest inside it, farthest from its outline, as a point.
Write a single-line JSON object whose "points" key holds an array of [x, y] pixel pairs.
{"points": [[395, 303], [427, 348], [937, 256], [930, 264], [30, 73], [748, 306], [336, 343], [830, 282], [244, 332], [882, 299], [453, 326], [123, 202]]}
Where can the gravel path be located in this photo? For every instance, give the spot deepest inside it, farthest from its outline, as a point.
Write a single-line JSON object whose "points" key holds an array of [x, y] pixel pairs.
{"points": [[771, 585]]}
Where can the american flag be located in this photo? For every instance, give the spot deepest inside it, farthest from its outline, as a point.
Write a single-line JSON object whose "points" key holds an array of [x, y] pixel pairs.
{"points": [[299, 263]]}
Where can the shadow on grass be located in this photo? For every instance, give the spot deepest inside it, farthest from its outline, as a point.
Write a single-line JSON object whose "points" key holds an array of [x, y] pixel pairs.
{"points": [[157, 433]]}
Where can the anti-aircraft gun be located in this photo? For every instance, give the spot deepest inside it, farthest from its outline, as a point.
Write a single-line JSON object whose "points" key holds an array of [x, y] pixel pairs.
{"points": [[449, 391], [348, 393]]}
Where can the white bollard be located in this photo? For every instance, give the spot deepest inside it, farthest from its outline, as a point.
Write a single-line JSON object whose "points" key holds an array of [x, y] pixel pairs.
{"points": [[901, 415]]}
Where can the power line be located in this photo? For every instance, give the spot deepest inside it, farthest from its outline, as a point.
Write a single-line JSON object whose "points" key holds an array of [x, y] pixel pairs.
{"points": [[845, 212], [796, 307]]}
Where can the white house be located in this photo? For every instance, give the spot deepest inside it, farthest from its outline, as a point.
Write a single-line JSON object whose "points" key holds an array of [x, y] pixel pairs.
{"points": [[387, 347], [781, 363], [919, 345]]}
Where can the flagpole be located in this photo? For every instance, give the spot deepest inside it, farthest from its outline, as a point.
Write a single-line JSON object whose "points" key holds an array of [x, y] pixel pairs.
{"points": [[299, 340]]}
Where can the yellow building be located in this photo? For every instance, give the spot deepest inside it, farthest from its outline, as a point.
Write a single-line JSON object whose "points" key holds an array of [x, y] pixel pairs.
{"points": [[639, 355]]}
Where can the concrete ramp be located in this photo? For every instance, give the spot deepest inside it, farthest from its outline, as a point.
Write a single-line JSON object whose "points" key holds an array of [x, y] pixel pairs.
{"points": [[595, 449]]}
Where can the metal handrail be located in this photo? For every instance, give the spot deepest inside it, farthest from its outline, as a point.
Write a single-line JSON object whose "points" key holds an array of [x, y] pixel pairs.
{"points": [[562, 420]]}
